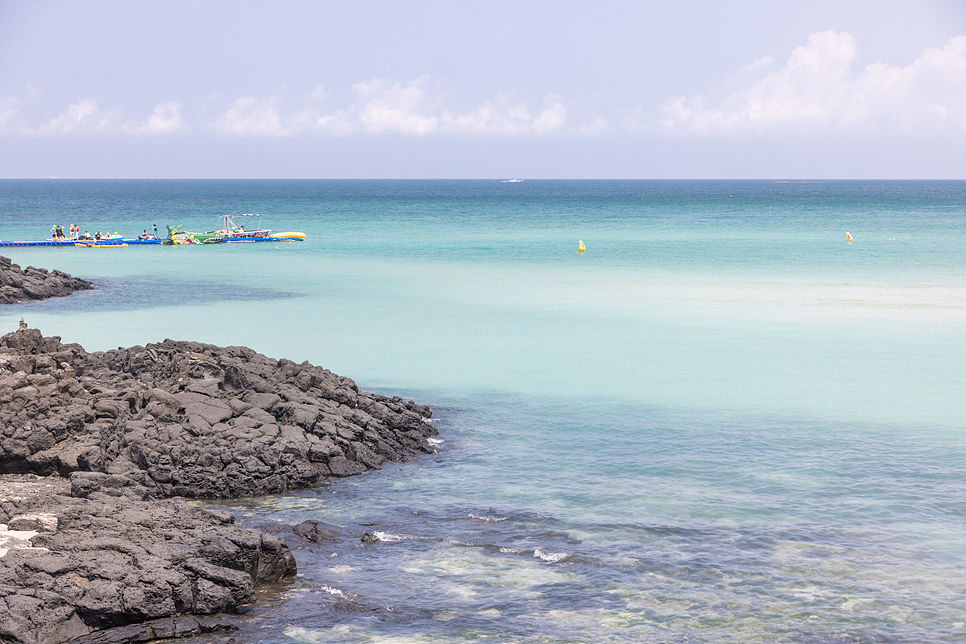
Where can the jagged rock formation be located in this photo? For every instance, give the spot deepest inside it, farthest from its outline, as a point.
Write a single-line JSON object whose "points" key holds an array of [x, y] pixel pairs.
{"points": [[191, 419], [105, 558], [35, 283]]}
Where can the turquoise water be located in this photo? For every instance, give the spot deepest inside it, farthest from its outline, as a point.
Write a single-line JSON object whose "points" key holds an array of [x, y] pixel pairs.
{"points": [[720, 423]]}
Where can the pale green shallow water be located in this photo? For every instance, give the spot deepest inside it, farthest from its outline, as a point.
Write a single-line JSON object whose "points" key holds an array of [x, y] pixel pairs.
{"points": [[720, 423]]}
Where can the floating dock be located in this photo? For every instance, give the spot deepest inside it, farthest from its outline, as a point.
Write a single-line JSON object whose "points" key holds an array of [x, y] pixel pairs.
{"points": [[109, 243]]}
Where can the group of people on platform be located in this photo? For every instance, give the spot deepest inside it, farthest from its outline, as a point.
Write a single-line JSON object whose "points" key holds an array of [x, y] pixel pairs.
{"points": [[74, 234], [147, 235], [57, 233]]}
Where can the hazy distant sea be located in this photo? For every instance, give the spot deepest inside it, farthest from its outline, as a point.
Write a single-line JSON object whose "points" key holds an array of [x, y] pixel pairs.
{"points": [[721, 423]]}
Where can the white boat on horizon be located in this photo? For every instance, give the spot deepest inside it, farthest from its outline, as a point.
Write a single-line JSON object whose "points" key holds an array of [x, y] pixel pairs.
{"points": [[514, 181]]}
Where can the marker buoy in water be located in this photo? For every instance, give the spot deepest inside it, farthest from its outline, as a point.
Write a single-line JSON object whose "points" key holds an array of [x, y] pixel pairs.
{"points": [[848, 237], [580, 246]]}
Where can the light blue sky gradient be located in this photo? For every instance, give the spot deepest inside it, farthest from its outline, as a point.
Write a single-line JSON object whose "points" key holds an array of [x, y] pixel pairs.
{"points": [[485, 89]]}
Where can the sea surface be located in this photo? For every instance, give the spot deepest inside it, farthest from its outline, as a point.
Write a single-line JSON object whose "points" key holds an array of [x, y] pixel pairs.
{"points": [[720, 423]]}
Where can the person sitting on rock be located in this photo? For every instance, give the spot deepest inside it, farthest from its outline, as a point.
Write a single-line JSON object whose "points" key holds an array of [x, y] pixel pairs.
{"points": [[23, 325]]}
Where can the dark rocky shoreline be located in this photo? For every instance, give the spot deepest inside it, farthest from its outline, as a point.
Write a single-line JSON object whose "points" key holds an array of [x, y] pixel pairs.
{"points": [[102, 561], [193, 420], [32, 283], [98, 451]]}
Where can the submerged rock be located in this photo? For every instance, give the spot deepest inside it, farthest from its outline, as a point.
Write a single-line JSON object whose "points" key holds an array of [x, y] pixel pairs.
{"points": [[316, 531], [193, 420], [32, 283]]}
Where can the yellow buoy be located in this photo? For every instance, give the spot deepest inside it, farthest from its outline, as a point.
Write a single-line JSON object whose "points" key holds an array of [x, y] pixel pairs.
{"points": [[848, 237], [580, 246]]}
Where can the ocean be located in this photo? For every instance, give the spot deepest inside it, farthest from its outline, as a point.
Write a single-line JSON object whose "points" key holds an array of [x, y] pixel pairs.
{"points": [[720, 423]]}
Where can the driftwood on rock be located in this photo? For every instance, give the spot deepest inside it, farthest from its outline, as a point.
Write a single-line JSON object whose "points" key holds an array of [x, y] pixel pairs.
{"points": [[32, 283], [193, 420]]}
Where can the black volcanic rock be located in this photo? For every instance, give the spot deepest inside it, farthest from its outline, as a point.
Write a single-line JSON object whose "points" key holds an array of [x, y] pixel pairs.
{"points": [[32, 283], [93, 446], [193, 420], [109, 561]]}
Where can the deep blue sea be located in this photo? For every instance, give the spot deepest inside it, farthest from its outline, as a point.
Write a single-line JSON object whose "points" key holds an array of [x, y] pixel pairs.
{"points": [[720, 423]]}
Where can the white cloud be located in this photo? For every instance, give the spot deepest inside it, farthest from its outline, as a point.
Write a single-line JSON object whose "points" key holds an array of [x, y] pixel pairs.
{"points": [[383, 107], [251, 116], [378, 107], [596, 126], [550, 119], [818, 90], [165, 119], [33, 94], [82, 116], [317, 95], [393, 108], [502, 117], [86, 117], [10, 106]]}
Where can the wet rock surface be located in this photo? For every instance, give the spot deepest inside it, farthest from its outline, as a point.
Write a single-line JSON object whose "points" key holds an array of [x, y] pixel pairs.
{"points": [[104, 563], [18, 285], [193, 420], [97, 451]]}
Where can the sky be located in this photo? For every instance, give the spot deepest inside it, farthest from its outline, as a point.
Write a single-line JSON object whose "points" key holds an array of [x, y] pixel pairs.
{"points": [[461, 89]]}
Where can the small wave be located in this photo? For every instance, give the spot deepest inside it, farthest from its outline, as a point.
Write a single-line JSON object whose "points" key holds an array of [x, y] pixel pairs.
{"points": [[377, 535], [511, 551], [540, 553], [335, 591], [486, 518], [435, 441]]}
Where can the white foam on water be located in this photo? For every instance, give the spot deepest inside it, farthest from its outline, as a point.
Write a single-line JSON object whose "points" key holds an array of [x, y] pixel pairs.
{"points": [[486, 518], [540, 553], [335, 591], [435, 441], [389, 537]]}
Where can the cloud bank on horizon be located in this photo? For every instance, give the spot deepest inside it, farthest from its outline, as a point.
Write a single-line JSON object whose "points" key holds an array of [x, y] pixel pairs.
{"points": [[382, 107], [818, 89]]}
